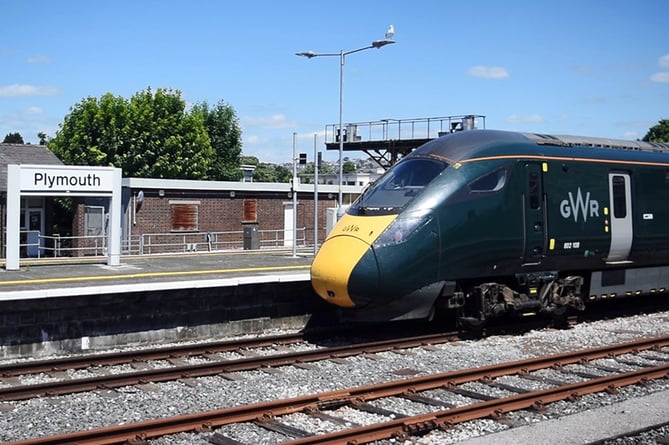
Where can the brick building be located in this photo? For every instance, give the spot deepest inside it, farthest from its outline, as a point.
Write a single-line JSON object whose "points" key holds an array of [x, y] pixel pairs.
{"points": [[164, 215]]}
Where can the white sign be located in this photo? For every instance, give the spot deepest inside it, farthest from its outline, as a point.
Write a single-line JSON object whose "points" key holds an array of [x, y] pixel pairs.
{"points": [[66, 179]]}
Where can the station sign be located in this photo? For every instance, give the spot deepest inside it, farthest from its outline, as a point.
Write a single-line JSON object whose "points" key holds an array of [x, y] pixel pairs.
{"points": [[61, 180], [66, 180]]}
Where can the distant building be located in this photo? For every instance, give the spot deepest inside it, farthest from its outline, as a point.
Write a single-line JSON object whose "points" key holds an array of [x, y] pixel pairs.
{"points": [[359, 178]]}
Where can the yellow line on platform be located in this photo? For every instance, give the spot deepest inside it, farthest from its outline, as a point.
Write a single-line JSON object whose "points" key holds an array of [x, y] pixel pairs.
{"points": [[148, 275]]}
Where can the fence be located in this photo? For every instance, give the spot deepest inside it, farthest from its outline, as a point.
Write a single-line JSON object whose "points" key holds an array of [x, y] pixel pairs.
{"points": [[34, 244], [150, 243]]}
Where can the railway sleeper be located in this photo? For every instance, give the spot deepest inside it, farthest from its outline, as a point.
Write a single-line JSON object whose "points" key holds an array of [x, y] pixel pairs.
{"points": [[272, 424]]}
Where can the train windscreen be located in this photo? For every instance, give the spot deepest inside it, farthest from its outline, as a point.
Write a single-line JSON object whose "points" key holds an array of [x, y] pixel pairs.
{"points": [[398, 186]]}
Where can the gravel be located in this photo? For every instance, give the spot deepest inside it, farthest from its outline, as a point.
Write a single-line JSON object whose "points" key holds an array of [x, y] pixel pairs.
{"points": [[45, 416]]}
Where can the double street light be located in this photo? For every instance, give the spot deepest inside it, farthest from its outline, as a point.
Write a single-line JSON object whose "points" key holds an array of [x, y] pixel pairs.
{"points": [[342, 60]]}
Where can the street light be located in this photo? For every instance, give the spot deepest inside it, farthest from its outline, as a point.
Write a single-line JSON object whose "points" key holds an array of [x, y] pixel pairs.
{"points": [[342, 60]]}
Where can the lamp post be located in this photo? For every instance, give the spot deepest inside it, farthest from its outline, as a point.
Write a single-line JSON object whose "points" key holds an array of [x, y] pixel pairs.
{"points": [[342, 60]]}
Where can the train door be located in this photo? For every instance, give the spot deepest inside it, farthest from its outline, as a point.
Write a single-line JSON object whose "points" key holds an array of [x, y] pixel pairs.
{"points": [[534, 215], [620, 198]]}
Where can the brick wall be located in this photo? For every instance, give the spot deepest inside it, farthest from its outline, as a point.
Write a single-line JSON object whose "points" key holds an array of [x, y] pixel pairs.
{"points": [[219, 212]]}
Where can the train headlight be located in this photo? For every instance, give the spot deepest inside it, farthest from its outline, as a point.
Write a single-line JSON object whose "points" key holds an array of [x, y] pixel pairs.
{"points": [[402, 228]]}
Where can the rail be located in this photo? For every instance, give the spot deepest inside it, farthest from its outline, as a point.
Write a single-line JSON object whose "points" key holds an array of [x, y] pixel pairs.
{"points": [[269, 413]]}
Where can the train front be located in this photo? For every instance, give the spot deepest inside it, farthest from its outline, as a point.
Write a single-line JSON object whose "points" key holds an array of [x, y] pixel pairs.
{"points": [[380, 262]]}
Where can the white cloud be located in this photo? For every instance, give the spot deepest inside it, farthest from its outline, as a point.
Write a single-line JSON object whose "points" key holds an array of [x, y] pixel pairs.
{"points": [[530, 118], [584, 70], [663, 60], [661, 77], [33, 110], [488, 72], [276, 121], [252, 139], [39, 59], [27, 90]]}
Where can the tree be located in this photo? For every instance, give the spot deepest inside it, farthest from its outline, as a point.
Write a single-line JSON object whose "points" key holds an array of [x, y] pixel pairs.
{"points": [[226, 140], [348, 167], [13, 138], [92, 133], [151, 135], [164, 140], [659, 132], [271, 173], [43, 138]]}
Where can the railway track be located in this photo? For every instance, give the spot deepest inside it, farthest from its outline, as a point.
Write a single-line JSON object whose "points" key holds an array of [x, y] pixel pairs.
{"points": [[180, 370], [582, 370]]}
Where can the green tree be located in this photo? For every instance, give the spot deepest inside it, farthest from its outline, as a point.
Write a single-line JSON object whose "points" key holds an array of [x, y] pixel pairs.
{"points": [[271, 173], [659, 132], [43, 138], [13, 138], [92, 133], [348, 167], [151, 135], [226, 140], [164, 140], [249, 160]]}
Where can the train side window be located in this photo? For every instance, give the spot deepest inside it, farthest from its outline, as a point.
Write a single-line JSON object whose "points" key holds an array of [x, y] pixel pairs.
{"points": [[619, 198], [491, 182], [534, 190]]}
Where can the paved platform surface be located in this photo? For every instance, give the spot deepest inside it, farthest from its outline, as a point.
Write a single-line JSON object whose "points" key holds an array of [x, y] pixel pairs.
{"points": [[587, 427], [67, 277]]}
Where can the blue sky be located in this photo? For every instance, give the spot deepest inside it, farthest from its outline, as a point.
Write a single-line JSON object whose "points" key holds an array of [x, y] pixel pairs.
{"points": [[583, 67]]}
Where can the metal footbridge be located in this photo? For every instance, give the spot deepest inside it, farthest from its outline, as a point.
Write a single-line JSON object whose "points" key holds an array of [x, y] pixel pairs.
{"points": [[387, 140]]}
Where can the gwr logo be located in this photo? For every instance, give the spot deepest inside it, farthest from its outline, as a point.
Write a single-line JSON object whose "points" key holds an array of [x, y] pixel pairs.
{"points": [[572, 208]]}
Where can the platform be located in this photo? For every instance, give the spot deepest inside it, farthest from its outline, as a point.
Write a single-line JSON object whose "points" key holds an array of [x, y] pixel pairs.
{"points": [[47, 278], [53, 306]]}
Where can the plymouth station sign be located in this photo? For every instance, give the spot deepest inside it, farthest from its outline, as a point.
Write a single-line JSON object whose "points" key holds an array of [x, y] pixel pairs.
{"points": [[62, 180]]}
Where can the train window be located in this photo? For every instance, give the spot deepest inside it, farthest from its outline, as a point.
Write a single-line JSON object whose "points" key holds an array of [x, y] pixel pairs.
{"points": [[491, 182], [534, 190], [398, 186], [619, 198]]}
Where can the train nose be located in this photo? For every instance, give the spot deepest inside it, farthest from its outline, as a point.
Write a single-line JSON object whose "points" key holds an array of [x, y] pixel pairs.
{"points": [[332, 268]]}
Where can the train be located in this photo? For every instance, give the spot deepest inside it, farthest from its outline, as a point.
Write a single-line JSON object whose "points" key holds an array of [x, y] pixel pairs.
{"points": [[489, 223]]}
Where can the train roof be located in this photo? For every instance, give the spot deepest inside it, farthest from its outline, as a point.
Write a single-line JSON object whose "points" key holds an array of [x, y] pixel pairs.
{"points": [[484, 143]]}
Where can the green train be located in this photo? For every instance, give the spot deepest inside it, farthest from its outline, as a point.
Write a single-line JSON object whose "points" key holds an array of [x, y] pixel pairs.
{"points": [[492, 223]]}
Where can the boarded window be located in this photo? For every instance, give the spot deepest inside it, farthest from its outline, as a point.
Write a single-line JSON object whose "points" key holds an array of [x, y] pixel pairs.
{"points": [[250, 211], [94, 220], [184, 216]]}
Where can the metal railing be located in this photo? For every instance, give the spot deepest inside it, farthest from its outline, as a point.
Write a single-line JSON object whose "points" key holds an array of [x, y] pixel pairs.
{"points": [[402, 129], [45, 246], [152, 243], [34, 244]]}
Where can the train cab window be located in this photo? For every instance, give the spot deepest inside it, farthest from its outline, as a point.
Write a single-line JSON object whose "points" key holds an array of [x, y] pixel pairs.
{"points": [[619, 198], [398, 186], [490, 182]]}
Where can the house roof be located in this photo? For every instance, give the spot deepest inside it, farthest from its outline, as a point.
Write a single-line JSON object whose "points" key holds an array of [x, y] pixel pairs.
{"points": [[23, 154]]}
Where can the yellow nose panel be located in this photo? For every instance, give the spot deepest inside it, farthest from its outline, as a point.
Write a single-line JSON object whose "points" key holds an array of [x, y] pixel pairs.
{"points": [[348, 241], [332, 267]]}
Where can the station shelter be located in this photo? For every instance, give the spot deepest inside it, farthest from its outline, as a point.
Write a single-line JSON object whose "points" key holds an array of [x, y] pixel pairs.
{"points": [[36, 212]]}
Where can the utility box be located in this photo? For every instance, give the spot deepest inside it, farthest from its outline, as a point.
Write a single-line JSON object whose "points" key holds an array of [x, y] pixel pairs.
{"points": [[251, 237]]}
